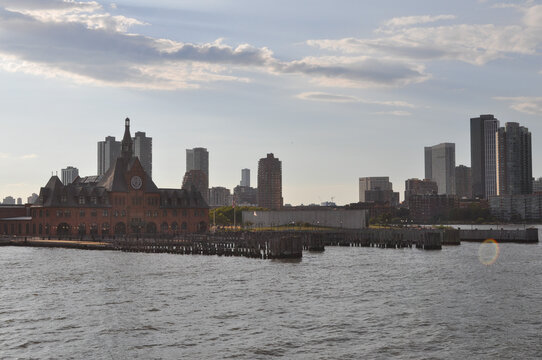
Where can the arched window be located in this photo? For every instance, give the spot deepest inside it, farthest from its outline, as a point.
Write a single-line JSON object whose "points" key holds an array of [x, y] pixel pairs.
{"points": [[174, 226], [63, 229], [150, 228], [164, 228], [105, 229]]}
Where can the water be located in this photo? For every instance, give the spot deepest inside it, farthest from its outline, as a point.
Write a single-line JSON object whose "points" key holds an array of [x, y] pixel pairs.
{"points": [[346, 303]]}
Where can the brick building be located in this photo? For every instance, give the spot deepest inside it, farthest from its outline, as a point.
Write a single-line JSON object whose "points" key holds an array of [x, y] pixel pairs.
{"points": [[124, 200]]}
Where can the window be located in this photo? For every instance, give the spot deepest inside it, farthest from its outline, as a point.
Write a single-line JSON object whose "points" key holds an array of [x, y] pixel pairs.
{"points": [[41, 213], [46, 213], [165, 213], [94, 200], [123, 212], [93, 213], [81, 200], [81, 213], [105, 213], [155, 213], [67, 213], [59, 213], [116, 214], [63, 198], [184, 212]]}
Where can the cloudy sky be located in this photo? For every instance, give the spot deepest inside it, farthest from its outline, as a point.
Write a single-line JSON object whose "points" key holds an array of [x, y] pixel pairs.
{"points": [[336, 89]]}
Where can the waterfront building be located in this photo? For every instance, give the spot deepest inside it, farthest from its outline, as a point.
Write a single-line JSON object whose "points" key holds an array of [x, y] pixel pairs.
{"points": [[69, 174], [483, 156], [431, 208], [513, 208], [245, 178], [440, 167], [219, 196], [463, 182], [108, 152], [142, 146], [124, 201], [270, 183], [514, 160], [419, 187], [245, 196]]}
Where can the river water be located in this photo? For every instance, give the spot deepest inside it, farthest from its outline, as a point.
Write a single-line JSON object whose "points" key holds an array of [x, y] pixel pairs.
{"points": [[345, 303]]}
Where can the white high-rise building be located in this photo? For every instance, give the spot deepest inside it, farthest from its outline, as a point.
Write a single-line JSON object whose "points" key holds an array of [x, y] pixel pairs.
{"points": [[69, 174], [142, 147], [440, 167], [108, 152], [245, 177]]}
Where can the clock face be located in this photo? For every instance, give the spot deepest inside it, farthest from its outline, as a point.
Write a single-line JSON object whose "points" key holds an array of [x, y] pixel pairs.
{"points": [[136, 182]]}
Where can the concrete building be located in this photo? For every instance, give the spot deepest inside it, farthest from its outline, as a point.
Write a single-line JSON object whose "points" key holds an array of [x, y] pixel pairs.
{"points": [[483, 156], [270, 183], [108, 152], [219, 196], [431, 208], [537, 185], [514, 160], [245, 178], [197, 180], [463, 182], [523, 207], [8, 200], [336, 218], [377, 189], [440, 167], [245, 196], [69, 174], [19, 201], [419, 187], [32, 198], [142, 148]]}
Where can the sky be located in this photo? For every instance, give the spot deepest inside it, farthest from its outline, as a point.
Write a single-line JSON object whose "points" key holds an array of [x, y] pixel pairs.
{"points": [[337, 90]]}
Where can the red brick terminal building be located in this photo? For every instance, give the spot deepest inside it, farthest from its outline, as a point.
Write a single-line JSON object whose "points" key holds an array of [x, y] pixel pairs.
{"points": [[124, 201]]}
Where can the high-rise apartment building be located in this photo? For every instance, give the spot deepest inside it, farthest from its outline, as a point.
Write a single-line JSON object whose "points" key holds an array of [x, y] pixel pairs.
{"points": [[483, 155], [198, 159], [245, 177], [197, 179], [377, 189], [270, 182], [142, 149], [108, 152], [69, 174], [219, 196], [463, 182], [514, 160], [440, 167]]}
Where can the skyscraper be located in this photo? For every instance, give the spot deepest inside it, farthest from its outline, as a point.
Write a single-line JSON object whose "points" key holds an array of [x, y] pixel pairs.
{"points": [[245, 177], [270, 183], [142, 147], [198, 159], [440, 167], [377, 189], [197, 179], [69, 174], [463, 182], [108, 152], [483, 155], [514, 160]]}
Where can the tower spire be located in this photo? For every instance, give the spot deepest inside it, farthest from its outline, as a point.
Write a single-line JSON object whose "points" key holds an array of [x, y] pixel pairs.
{"points": [[126, 147]]}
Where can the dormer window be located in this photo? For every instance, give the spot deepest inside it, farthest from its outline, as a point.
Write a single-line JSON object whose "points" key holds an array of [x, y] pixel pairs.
{"points": [[93, 200], [63, 199], [81, 200]]}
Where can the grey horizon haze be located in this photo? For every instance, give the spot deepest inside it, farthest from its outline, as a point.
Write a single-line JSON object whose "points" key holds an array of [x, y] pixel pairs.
{"points": [[336, 90]]}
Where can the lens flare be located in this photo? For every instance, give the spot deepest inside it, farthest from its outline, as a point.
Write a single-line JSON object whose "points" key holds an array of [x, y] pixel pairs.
{"points": [[488, 252]]}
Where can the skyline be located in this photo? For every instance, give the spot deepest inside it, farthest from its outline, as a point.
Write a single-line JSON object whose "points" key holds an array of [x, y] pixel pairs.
{"points": [[337, 93]]}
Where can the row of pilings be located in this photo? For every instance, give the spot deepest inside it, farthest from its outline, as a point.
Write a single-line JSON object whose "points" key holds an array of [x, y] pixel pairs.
{"points": [[286, 244]]}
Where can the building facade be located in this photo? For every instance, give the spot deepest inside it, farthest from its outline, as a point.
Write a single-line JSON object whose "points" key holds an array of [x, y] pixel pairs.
{"points": [[431, 208], [463, 182], [373, 183], [514, 160], [245, 196], [523, 207], [108, 152], [483, 155], [245, 178], [219, 196], [440, 167], [124, 201], [270, 183], [142, 147], [69, 174], [419, 187]]}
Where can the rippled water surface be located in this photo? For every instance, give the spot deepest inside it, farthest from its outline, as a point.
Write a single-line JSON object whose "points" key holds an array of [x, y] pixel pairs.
{"points": [[346, 303]]}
